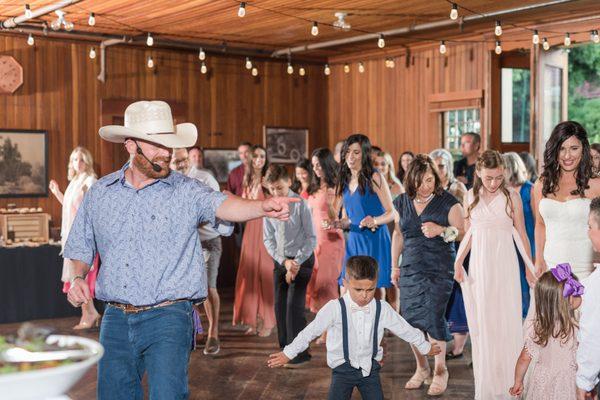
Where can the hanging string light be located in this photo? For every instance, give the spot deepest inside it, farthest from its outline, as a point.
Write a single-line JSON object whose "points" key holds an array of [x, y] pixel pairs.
{"points": [[248, 63], [454, 12], [443, 47], [361, 67], [201, 54], [327, 70], [254, 71], [149, 40], [203, 68], [381, 41], [595, 37], [150, 62], [302, 71], [315, 29], [545, 44], [30, 40], [93, 53], [392, 63], [242, 13], [536, 37], [498, 48], [28, 12], [290, 68], [346, 68], [498, 28], [567, 39], [92, 19]]}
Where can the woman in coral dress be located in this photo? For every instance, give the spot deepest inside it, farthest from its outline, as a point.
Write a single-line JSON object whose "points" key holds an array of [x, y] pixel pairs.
{"points": [[254, 299]]}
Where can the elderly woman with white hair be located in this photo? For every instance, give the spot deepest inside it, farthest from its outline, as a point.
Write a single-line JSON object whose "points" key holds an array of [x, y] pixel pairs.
{"points": [[443, 160], [515, 173]]}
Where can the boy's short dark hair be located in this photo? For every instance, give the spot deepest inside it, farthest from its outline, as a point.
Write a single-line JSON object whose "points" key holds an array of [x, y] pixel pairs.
{"points": [[275, 173], [476, 136], [595, 209], [362, 267]]}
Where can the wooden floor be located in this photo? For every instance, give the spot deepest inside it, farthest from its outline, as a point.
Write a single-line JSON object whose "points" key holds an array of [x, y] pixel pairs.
{"points": [[239, 371]]}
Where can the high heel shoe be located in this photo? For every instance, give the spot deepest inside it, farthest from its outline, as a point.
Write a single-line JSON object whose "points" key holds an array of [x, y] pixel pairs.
{"points": [[439, 383], [84, 325], [422, 375]]}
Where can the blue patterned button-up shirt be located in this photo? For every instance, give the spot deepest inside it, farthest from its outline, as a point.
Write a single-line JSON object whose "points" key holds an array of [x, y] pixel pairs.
{"points": [[147, 239]]}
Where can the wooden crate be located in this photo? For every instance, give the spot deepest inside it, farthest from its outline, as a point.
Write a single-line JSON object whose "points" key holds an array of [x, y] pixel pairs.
{"points": [[26, 226]]}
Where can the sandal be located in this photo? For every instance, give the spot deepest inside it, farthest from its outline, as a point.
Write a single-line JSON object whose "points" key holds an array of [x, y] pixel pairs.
{"points": [[422, 375], [439, 383]]}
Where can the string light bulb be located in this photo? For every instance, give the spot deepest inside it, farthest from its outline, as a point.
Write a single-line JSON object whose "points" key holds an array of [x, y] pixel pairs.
{"points": [[454, 12], [381, 41], [567, 39], [346, 68], [595, 37], [290, 68], [203, 68], [361, 67], [149, 40], [498, 29], [248, 63], [315, 29], [69, 26], [254, 71], [28, 12], [93, 53], [242, 13], [545, 44], [443, 47], [202, 54], [30, 40], [302, 71], [150, 62], [92, 19], [536, 37], [498, 49], [327, 70]]}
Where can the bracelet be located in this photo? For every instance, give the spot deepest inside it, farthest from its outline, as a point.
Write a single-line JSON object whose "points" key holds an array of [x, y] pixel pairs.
{"points": [[73, 279]]}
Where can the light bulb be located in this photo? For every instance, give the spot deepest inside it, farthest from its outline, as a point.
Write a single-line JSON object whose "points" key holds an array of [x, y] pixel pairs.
{"points": [[387, 62], [242, 12], [28, 13], [498, 29], [30, 40], [567, 39], [92, 19], [69, 26], [315, 29], [346, 68], [302, 71], [498, 49], [381, 42], [150, 63], [327, 70], [392, 63], [55, 25], [248, 63], [203, 68], [595, 37], [150, 40], [254, 71], [93, 53], [290, 69], [361, 67], [443, 47], [454, 12], [536, 37], [545, 44], [202, 54]]}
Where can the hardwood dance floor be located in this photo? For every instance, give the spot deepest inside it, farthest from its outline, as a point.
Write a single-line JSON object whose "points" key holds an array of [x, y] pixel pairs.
{"points": [[239, 371]]}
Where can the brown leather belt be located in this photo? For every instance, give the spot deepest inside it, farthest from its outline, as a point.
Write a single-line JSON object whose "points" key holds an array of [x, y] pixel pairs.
{"points": [[131, 309]]}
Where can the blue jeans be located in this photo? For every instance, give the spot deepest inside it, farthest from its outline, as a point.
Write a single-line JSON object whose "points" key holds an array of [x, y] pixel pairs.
{"points": [[345, 378], [157, 341]]}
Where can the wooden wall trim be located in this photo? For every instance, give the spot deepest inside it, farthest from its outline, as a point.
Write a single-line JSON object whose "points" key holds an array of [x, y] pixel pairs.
{"points": [[476, 94]]}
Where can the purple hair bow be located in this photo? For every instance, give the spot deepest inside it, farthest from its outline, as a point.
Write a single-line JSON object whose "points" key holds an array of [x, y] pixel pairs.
{"points": [[563, 273]]}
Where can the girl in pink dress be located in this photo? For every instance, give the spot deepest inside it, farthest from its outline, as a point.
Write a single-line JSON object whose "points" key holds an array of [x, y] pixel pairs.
{"points": [[254, 298], [551, 339], [492, 288], [81, 177], [329, 253]]}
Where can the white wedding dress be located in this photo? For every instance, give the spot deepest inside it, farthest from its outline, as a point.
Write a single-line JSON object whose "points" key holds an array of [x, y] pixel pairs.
{"points": [[567, 235]]}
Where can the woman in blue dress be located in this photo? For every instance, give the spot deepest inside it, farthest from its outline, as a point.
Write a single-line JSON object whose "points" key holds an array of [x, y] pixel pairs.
{"points": [[367, 208]]}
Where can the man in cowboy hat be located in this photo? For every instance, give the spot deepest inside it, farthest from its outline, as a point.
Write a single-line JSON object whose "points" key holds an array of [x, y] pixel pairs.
{"points": [[142, 221]]}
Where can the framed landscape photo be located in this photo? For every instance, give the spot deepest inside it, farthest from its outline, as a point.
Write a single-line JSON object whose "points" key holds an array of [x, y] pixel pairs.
{"points": [[220, 162], [23, 163], [285, 145]]}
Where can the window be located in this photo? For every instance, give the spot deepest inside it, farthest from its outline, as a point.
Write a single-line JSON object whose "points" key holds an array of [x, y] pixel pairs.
{"points": [[515, 105], [457, 122], [552, 98]]}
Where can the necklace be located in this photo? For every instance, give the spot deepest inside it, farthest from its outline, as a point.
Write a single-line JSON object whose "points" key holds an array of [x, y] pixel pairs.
{"points": [[425, 200]]}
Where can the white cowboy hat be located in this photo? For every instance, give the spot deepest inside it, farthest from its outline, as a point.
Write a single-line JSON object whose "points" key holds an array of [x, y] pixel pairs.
{"points": [[151, 121]]}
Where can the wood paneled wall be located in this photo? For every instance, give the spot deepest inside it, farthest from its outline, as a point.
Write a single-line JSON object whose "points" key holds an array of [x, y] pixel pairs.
{"points": [[62, 95], [392, 105]]}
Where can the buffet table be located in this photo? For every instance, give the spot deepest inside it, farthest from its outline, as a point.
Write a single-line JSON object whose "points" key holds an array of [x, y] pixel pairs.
{"points": [[30, 285]]}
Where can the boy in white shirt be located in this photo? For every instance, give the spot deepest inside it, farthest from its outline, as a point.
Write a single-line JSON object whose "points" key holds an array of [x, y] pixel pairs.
{"points": [[355, 325], [588, 353]]}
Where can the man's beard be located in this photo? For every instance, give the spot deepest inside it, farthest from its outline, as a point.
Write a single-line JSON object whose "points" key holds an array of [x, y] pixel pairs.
{"points": [[142, 165]]}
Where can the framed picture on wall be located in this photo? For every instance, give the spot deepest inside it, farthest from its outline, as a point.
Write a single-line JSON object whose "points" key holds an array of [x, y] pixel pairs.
{"points": [[23, 163], [220, 162], [285, 145]]}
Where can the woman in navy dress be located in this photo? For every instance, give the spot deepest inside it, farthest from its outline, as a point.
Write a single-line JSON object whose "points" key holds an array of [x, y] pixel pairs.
{"points": [[367, 208], [430, 220]]}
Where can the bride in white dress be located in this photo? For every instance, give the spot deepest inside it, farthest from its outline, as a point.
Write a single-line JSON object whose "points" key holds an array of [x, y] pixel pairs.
{"points": [[561, 199]]}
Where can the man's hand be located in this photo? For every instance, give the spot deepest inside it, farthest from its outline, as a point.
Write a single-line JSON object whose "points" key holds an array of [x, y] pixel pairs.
{"points": [[79, 293], [278, 207], [277, 360]]}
